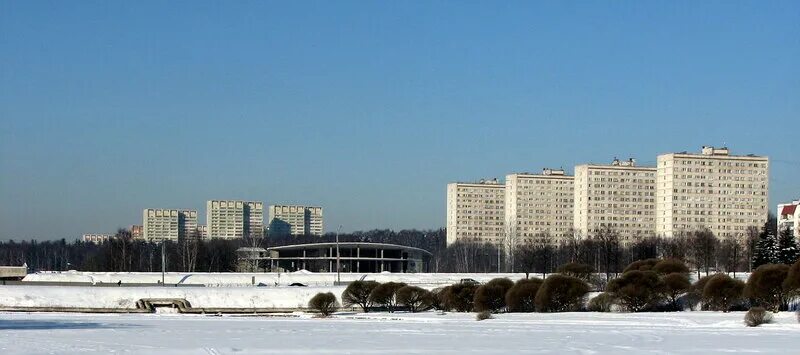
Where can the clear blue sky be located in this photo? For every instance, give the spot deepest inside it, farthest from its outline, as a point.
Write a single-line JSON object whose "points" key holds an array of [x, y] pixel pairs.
{"points": [[369, 108]]}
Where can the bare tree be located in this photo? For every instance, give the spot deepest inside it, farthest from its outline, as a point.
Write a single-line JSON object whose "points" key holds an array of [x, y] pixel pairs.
{"points": [[703, 249]]}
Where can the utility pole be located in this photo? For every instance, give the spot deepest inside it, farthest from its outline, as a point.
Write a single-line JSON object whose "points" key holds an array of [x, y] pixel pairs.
{"points": [[338, 275], [163, 261]]}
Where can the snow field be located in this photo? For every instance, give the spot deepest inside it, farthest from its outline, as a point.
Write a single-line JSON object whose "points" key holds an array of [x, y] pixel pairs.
{"points": [[399, 333]]}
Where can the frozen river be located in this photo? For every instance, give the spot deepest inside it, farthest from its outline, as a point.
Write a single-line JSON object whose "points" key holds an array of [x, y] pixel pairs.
{"points": [[382, 333]]}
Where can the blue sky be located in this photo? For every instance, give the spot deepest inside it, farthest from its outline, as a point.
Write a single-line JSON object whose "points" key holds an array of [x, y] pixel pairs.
{"points": [[369, 108]]}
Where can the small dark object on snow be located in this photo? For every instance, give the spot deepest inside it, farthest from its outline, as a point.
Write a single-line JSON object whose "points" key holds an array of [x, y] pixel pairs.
{"points": [[297, 284]]}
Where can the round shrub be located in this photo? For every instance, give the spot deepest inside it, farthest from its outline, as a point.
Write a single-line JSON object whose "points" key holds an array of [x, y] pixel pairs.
{"points": [[415, 298], [357, 293], [601, 303], [695, 295], [483, 315], [636, 290], [385, 295], [670, 266], [491, 296], [522, 296], [561, 293], [792, 283], [438, 298], [757, 316], [460, 297], [641, 265], [721, 292], [581, 271], [765, 286], [675, 284], [324, 303]]}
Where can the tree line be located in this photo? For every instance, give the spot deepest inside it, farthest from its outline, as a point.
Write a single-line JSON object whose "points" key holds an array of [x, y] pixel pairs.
{"points": [[605, 251]]}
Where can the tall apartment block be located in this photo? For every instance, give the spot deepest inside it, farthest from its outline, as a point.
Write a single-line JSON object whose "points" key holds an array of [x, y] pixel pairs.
{"points": [[295, 220], [620, 196], [229, 219], [475, 211], [712, 189], [161, 224], [539, 204], [789, 217]]}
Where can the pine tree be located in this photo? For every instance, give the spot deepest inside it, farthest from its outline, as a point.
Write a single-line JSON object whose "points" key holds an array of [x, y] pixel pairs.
{"points": [[788, 253], [767, 250]]}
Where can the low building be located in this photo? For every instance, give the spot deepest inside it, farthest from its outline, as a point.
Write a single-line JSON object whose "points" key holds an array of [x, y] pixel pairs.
{"points": [[353, 257], [789, 217]]}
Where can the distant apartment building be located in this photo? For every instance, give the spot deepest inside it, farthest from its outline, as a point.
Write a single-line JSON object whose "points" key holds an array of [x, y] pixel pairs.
{"points": [[295, 220], [714, 190], [475, 211], [539, 204], [620, 196], [789, 217], [230, 219], [202, 230], [168, 224], [96, 238], [137, 231]]}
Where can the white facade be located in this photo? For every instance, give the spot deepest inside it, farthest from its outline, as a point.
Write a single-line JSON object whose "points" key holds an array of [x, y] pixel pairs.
{"points": [[295, 220], [475, 211], [168, 224], [538, 205], [789, 217], [230, 219], [620, 196], [95, 238], [712, 190]]}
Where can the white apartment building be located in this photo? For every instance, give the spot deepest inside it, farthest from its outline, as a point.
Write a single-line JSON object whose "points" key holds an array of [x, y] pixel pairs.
{"points": [[538, 205], [161, 224], [202, 230], [95, 238], [475, 211], [789, 217], [231, 219], [295, 220], [712, 189], [620, 196]]}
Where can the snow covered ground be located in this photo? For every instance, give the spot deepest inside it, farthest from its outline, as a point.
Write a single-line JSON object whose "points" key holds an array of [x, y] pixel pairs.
{"points": [[383, 333], [271, 278]]}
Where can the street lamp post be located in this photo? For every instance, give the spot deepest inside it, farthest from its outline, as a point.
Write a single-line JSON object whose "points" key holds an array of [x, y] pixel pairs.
{"points": [[338, 274], [163, 262]]}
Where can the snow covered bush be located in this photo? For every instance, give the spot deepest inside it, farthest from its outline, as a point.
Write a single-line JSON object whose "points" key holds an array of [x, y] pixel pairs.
{"points": [[757, 316], [414, 298], [491, 296], [561, 293], [522, 296], [324, 303], [637, 290], [357, 293], [765, 286], [721, 292], [385, 295]]}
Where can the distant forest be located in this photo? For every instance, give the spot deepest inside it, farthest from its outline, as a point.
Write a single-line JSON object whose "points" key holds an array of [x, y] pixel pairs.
{"points": [[605, 251]]}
